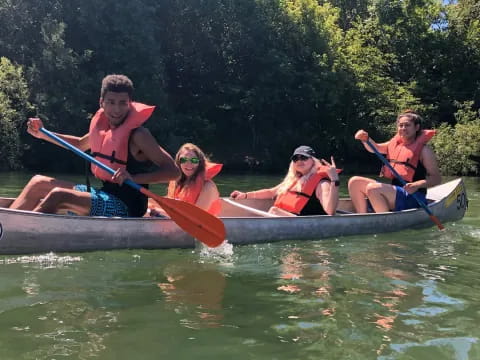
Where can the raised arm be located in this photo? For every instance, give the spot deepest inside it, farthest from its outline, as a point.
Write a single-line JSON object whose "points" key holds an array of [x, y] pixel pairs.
{"points": [[362, 135], [80, 142], [327, 191]]}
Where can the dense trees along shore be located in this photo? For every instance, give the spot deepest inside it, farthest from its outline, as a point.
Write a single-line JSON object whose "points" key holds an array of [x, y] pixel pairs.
{"points": [[246, 80]]}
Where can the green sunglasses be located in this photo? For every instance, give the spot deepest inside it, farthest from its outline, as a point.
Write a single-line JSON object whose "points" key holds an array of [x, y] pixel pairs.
{"points": [[193, 160]]}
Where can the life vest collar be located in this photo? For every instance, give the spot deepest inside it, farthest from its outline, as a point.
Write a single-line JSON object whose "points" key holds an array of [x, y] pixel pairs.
{"points": [[404, 157], [110, 145], [294, 201], [191, 191]]}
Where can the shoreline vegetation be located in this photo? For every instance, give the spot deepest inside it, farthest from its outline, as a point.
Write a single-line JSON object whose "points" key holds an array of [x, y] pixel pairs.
{"points": [[248, 81]]}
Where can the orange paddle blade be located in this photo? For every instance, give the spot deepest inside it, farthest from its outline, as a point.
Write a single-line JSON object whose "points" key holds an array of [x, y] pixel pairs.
{"points": [[437, 222], [197, 222], [202, 225]]}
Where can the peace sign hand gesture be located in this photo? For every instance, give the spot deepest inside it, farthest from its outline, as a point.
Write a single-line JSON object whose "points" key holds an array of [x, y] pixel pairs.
{"points": [[332, 168]]}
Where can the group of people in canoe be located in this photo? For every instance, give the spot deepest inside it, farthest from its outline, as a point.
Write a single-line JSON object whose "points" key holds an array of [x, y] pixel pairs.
{"points": [[117, 139]]}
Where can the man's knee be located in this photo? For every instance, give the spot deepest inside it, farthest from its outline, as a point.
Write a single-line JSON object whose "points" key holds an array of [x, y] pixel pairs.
{"points": [[40, 180]]}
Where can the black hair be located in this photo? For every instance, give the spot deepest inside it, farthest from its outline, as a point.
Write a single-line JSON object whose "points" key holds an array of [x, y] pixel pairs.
{"points": [[116, 83]]}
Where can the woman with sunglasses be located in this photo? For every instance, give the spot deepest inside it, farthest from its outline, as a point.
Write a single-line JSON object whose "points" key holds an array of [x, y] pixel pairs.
{"points": [[309, 188], [195, 184]]}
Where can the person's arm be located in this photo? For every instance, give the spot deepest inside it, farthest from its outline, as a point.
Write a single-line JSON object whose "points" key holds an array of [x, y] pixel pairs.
{"points": [[148, 146], [327, 191], [80, 142], [208, 195], [257, 194], [362, 135], [327, 194], [433, 177]]}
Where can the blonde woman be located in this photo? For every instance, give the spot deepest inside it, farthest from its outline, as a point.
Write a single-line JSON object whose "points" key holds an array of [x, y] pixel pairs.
{"points": [[309, 188]]}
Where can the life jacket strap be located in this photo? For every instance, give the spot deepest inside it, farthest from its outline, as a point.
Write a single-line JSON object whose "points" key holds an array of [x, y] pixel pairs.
{"points": [[406, 163], [299, 193], [109, 157]]}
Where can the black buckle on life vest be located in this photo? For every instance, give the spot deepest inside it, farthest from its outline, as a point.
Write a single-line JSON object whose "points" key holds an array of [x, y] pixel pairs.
{"points": [[406, 163], [111, 158], [301, 194]]}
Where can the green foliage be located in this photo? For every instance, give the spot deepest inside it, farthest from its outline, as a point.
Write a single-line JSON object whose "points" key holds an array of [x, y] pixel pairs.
{"points": [[13, 109], [458, 147], [246, 80]]}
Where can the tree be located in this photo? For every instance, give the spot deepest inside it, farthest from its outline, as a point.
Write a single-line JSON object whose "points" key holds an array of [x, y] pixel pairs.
{"points": [[14, 107], [458, 146]]}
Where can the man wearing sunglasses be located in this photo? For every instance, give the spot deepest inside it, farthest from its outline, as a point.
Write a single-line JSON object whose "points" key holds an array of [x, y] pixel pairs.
{"points": [[309, 188], [117, 139]]}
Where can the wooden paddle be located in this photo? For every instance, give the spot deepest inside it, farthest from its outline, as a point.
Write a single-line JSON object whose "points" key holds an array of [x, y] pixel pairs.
{"points": [[202, 225], [403, 182]]}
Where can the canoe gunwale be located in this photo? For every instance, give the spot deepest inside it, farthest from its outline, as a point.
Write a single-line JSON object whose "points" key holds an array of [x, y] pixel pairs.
{"points": [[26, 232]]}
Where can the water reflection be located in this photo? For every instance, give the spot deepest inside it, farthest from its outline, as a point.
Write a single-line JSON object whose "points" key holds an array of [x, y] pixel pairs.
{"points": [[45, 314], [305, 280], [407, 295], [194, 291], [298, 273], [374, 286]]}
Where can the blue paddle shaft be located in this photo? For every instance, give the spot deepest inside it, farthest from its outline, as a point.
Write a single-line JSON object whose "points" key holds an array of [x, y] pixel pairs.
{"points": [[397, 175], [86, 156]]}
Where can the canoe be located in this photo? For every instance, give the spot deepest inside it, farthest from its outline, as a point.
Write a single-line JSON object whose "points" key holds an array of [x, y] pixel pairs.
{"points": [[246, 222]]}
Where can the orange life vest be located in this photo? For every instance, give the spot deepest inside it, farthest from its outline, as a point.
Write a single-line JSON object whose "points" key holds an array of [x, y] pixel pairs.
{"points": [[191, 192], [404, 158], [294, 201], [110, 146]]}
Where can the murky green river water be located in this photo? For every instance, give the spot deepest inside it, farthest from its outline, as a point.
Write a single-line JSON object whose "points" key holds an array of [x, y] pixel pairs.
{"points": [[406, 295]]}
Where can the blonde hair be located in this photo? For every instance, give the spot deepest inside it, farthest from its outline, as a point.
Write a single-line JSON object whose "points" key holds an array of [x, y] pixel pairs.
{"points": [[293, 176]]}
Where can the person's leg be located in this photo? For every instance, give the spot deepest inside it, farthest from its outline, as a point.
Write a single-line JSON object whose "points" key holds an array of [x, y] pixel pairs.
{"points": [[357, 188], [279, 212], [37, 188], [60, 200], [405, 201], [381, 196], [81, 202], [106, 204]]}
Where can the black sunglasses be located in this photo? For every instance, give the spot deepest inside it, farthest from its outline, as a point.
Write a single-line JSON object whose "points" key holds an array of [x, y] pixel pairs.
{"points": [[295, 158]]}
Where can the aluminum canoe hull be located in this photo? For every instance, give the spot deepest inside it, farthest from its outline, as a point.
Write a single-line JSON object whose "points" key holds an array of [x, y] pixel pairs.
{"points": [[25, 232]]}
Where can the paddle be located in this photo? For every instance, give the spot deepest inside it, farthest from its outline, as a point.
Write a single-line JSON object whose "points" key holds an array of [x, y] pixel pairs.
{"points": [[200, 224], [403, 182]]}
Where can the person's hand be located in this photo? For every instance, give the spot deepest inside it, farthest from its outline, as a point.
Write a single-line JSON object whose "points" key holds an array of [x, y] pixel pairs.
{"points": [[120, 176], [33, 127], [238, 195], [361, 135], [332, 168], [411, 187]]}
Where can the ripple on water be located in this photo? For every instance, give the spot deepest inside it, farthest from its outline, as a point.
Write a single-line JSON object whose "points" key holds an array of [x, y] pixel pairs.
{"points": [[460, 346], [50, 260]]}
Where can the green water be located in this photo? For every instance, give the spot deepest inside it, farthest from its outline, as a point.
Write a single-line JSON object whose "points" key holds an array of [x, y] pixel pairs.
{"points": [[407, 295]]}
